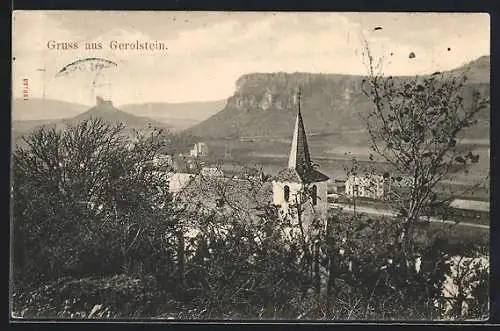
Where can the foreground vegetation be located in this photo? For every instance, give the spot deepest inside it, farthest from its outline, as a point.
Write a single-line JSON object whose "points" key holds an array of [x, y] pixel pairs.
{"points": [[98, 235]]}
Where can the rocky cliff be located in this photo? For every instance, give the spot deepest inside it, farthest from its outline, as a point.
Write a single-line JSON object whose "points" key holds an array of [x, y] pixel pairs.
{"points": [[263, 104]]}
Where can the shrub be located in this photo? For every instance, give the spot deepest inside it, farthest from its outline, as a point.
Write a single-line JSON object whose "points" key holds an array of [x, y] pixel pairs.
{"points": [[111, 297]]}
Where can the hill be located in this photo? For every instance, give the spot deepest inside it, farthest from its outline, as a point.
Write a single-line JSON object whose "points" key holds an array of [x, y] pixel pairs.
{"points": [[263, 106], [178, 115], [35, 109], [29, 114], [478, 71], [103, 109], [257, 123]]}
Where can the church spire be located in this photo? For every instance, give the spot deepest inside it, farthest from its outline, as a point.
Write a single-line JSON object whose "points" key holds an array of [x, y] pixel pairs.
{"points": [[299, 158], [300, 168]]}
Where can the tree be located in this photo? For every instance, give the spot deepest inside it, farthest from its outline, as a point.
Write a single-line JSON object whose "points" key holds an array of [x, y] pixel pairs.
{"points": [[415, 126], [87, 201]]}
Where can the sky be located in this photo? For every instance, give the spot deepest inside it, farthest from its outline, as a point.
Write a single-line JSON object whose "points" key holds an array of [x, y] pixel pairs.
{"points": [[206, 52]]}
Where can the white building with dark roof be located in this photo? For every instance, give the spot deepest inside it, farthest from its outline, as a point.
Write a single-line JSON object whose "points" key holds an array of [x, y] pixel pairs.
{"points": [[179, 181], [199, 150], [211, 172], [163, 160], [470, 209], [370, 186], [473, 205]]}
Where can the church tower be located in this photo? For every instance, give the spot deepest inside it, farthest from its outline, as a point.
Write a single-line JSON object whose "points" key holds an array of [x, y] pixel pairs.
{"points": [[300, 185]]}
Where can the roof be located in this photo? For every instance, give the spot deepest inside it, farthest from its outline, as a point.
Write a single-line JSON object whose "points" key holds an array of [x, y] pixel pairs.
{"points": [[300, 168], [299, 151], [294, 175], [185, 165], [178, 181], [211, 171], [471, 205], [241, 197]]}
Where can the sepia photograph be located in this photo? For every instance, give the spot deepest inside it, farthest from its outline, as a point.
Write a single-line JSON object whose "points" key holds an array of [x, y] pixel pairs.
{"points": [[250, 166]]}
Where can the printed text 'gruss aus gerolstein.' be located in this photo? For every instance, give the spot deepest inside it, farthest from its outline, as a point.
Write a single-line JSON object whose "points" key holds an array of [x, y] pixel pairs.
{"points": [[135, 45]]}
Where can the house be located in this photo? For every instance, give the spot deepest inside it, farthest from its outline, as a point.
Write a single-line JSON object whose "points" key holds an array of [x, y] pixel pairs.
{"points": [[183, 164], [178, 181], [372, 186], [199, 150], [226, 197], [239, 171], [470, 209], [377, 185], [300, 186], [211, 172], [163, 160], [339, 186], [208, 191]]}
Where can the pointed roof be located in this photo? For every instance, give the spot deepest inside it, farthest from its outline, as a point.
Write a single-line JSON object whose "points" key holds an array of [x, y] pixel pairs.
{"points": [[300, 168], [299, 151]]}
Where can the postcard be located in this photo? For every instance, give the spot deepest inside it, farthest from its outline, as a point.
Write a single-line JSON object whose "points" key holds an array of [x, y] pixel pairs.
{"points": [[292, 166]]}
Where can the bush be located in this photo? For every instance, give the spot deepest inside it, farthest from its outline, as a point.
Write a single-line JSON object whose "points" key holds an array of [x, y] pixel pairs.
{"points": [[110, 297], [86, 204], [370, 266], [127, 252], [245, 272]]}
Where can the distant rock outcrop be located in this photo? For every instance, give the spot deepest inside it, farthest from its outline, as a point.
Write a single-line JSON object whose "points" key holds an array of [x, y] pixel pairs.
{"points": [[105, 110], [100, 102], [265, 105]]}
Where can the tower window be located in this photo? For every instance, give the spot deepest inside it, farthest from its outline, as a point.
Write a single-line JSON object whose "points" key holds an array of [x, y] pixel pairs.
{"points": [[355, 190], [314, 195], [286, 193]]}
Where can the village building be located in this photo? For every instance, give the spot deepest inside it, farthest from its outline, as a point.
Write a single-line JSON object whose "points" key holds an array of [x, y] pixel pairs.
{"points": [[199, 150], [372, 186], [162, 160], [461, 209], [238, 171], [211, 172], [225, 197], [376, 185], [338, 186], [183, 164], [178, 181]]}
